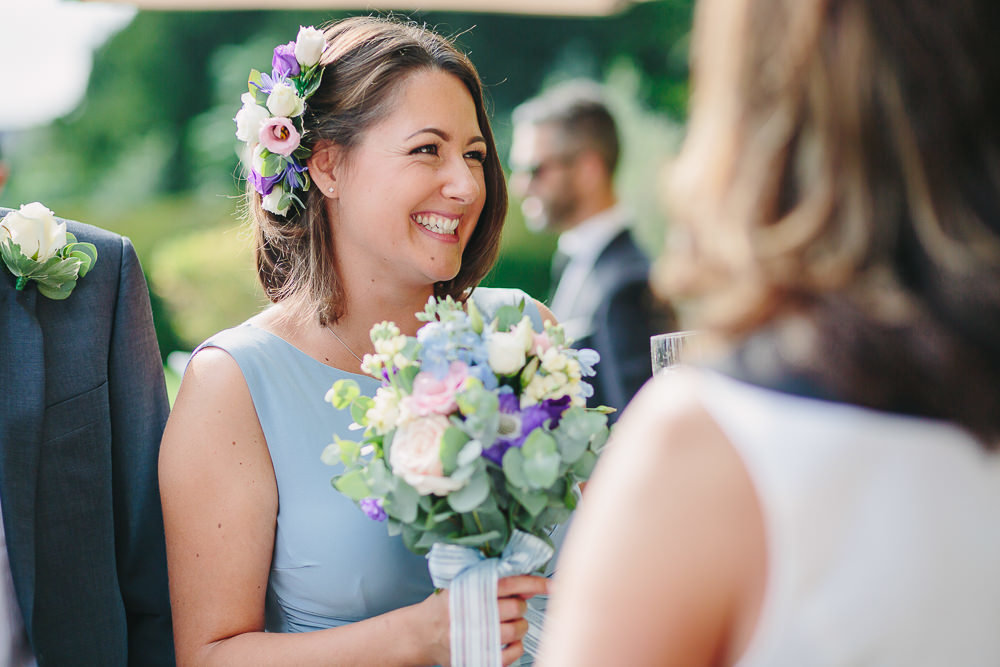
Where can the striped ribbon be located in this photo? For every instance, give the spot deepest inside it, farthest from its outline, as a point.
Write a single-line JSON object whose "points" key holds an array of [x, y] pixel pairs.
{"points": [[471, 579]]}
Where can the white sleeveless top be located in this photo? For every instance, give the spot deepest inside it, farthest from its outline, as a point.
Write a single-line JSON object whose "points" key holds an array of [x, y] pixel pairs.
{"points": [[883, 531]]}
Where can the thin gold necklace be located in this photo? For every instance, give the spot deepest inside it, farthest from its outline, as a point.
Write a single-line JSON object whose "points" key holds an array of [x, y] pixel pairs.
{"points": [[346, 346]]}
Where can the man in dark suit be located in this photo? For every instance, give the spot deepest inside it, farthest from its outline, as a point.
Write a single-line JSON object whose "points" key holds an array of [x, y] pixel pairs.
{"points": [[564, 154], [82, 409]]}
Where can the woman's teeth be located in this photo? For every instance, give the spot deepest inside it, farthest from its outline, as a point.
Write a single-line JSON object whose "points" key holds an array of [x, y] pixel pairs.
{"points": [[437, 223]]}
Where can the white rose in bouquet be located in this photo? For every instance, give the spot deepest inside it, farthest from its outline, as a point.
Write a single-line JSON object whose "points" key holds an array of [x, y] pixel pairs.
{"points": [[35, 230], [416, 456]]}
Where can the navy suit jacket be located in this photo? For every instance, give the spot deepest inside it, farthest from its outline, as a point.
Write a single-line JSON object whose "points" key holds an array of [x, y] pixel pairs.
{"points": [[82, 409], [623, 314]]}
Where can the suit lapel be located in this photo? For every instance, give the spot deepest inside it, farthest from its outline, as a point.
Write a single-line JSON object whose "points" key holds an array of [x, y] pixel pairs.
{"points": [[22, 411]]}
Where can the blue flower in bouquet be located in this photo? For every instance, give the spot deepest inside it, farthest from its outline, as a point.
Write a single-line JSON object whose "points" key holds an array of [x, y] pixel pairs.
{"points": [[454, 339]]}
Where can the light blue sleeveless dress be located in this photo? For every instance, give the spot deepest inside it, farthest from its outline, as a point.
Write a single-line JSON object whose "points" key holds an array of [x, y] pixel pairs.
{"points": [[332, 565]]}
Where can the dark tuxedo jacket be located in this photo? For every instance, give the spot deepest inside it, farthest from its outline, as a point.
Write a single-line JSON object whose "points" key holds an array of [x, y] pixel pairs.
{"points": [[82, 409], [621, 314]]}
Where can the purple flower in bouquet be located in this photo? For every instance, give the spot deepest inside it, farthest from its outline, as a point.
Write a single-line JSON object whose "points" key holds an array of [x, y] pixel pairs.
{"points": [[373, 508], [284, 62], [516, 423]]}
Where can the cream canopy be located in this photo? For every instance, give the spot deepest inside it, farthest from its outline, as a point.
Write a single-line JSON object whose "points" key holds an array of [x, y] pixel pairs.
{"points": [[538, 7]]}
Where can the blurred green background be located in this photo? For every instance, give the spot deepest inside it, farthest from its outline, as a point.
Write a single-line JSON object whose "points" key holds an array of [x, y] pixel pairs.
{"points": [[150, 152]]}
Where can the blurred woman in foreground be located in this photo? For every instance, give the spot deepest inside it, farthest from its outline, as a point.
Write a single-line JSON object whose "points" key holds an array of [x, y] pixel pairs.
{"points": [[829, 493]]}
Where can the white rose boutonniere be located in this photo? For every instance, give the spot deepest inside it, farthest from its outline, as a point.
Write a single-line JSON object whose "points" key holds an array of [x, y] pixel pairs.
{"points": [[34, 246]]}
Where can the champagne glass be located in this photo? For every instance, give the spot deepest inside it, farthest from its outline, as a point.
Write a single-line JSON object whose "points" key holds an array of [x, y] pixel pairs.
{"points": [[670, 349]]}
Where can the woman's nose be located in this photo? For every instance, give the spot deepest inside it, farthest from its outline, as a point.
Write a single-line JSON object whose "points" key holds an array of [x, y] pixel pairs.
{"points": [[462, 182]]}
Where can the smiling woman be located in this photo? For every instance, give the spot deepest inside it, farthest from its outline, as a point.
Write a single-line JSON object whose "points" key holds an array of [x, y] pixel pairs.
{"points": [[373, 185]]}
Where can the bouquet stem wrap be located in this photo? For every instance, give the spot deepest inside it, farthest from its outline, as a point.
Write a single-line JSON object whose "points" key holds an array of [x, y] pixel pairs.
{"points": [[472, 579]]}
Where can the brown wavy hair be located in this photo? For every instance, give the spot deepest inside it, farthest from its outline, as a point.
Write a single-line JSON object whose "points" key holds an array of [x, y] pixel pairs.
{"points": [[841, 169], [366, 61]]}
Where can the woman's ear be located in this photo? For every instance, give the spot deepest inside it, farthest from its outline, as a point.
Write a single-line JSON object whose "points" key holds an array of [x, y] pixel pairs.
{"points": [[323, 166]]}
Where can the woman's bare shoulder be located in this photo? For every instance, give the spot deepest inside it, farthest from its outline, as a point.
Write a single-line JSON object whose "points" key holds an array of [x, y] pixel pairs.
{"points": [[670, 525]]}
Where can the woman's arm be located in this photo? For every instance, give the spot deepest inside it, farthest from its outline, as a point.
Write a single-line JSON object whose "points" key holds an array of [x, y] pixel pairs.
{"points": [[665, 561], [220, 505]]}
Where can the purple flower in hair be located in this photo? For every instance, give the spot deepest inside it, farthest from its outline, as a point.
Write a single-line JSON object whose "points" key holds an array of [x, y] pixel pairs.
{"points": [[262, 184], [283, 62], [373, 508], [292, 178]]}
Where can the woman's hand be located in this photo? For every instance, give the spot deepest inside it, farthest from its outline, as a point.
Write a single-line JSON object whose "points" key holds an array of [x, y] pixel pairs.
{"points": [[512, 596]]}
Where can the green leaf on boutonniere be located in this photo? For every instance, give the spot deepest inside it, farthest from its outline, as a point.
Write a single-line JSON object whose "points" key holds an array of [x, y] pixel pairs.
{"points": [[55, 277]]}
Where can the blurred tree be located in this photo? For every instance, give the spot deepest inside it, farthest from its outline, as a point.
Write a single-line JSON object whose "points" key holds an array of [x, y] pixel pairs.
{"points": [[150, 152]]}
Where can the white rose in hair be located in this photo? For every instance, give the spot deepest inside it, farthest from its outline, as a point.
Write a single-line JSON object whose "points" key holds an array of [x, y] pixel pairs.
{"points": [[284, 101], [309, 46], [35, 230], [249, 119], [415, 456], [272, 201]]}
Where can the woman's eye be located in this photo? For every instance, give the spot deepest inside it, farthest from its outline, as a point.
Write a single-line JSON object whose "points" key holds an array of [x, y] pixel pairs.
{"points": [[426, 149], [477, 155]]}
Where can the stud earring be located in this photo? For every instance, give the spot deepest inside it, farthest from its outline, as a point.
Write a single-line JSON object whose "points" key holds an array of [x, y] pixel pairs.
{"points": [[330, 189]]}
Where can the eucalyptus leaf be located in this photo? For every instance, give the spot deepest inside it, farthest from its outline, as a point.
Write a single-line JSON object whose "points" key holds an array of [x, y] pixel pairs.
{"points": [[584, 467], [542, 470], [348, 450], [533, 501], [472, 495], [452, 442], [477, 540], [429, 539], [353, 485], [411, 535], [331, 454], [343, 393], [56, 292], [273, 164], [359, 409], [470, 453], [539, 443], [404, 378], [379, 478], [401, 502], [507, 316], [513, 468]]}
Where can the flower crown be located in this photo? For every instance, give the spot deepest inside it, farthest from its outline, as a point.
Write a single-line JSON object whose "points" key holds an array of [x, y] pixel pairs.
{"points": [[270, 122]]}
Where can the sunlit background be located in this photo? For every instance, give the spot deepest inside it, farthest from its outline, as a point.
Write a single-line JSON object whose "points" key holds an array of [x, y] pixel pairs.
{"points": [[122, 117]]}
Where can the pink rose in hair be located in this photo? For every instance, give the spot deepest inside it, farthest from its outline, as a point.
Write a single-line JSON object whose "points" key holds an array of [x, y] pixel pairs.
{"points": [[279, 136], [432, 396]]}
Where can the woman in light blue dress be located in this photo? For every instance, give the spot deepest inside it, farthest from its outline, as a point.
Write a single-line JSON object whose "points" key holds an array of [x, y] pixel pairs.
{"points": [[404, 199]]}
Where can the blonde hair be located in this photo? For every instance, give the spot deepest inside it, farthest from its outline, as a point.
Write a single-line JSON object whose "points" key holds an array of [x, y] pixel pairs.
{"points": [[842, 164]]}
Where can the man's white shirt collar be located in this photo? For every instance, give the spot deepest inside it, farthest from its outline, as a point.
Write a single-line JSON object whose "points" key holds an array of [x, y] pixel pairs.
{"points": [[583, 244]]}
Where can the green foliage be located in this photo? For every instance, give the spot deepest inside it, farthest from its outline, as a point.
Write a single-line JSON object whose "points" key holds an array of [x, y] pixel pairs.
{"points": [[151, 151], [206, 281]]}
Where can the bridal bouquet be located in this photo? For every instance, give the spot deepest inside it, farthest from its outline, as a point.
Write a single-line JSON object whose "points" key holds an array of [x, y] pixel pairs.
{"points": [[472, 450], [479, 429]]}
